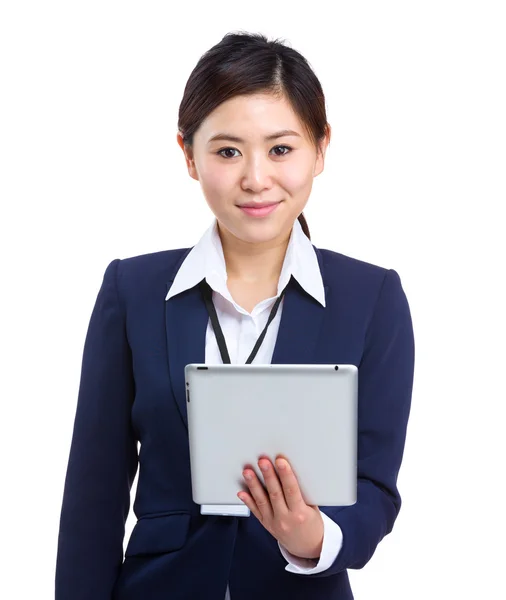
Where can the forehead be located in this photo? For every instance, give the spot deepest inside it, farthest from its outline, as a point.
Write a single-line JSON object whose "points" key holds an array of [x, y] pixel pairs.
{"points": [[252, 115]]}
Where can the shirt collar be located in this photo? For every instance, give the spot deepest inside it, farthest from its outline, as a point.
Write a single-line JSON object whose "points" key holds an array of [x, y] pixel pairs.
{"points": [[206, 260]]}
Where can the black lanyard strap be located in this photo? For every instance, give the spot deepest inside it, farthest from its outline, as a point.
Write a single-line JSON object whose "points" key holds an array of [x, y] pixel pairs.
{"points": [[207, 293]]}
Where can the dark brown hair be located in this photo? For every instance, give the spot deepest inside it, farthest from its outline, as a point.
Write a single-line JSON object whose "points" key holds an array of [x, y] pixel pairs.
{"points": [[247, 63]]}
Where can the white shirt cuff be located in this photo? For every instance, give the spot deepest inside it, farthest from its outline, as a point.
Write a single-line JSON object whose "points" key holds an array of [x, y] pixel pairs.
{"points": [[332, 544]]}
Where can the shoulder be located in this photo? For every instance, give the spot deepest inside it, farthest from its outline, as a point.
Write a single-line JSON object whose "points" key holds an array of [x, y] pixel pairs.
{"points": [[145, 271], [163, 262], [358, 285], [339, 268]]}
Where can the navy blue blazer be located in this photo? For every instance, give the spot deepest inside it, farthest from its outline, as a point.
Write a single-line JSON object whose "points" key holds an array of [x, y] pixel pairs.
{"points": [[132, 389]]}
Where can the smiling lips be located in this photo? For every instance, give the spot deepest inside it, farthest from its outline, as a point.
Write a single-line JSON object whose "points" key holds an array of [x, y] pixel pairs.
{"points": [[260, 211]]}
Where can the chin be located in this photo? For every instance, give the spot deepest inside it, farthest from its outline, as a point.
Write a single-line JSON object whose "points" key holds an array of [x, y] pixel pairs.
{"points": [[258, 233]]}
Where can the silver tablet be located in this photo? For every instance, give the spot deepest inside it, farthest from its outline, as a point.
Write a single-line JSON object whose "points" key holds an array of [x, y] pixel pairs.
{"points": [[307, 413]]}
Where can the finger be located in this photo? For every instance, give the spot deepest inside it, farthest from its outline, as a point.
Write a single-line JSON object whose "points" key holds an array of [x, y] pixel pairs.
{"points": [[258, 493], [289, 484], [274, 487], [250, 503]]}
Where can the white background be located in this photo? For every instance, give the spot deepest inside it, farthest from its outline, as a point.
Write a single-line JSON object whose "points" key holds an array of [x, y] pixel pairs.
{"points": [[414, 180]]}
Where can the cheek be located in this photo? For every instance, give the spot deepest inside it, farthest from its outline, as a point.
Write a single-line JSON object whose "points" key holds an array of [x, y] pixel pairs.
{"points": [[297, 177], [215, 180]]}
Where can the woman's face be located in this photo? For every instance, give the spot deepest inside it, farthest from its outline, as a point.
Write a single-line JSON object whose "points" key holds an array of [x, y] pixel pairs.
{"points": [[263, 156]]}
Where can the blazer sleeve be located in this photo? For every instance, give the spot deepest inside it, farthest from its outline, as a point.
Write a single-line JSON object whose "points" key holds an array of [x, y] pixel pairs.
{"points": [[385, 385], [103, 457]]}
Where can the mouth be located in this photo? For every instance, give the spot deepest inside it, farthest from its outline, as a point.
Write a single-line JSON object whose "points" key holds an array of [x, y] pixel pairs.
{"points": [[260, 210]]}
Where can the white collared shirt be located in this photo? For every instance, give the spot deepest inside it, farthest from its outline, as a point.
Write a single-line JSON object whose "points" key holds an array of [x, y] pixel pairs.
{"points": [[242, 329]]}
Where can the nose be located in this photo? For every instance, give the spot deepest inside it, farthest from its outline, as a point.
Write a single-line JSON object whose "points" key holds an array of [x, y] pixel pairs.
{"points": [[258, 173]]}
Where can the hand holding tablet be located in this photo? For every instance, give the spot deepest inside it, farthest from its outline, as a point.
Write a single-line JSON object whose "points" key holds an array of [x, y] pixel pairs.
{"points": [[281, 509]]}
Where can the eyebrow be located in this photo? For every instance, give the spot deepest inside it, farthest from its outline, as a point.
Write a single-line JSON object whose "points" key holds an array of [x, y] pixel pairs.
{"points": [[234, 138]]}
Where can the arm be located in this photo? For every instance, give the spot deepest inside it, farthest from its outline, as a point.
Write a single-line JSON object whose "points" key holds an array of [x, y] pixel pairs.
{"points": [[103, 457], [385, 387]]}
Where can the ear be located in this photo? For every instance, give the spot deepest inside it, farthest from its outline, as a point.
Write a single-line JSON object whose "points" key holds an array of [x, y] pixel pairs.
{"points": [[322, 149], [187, 151]]}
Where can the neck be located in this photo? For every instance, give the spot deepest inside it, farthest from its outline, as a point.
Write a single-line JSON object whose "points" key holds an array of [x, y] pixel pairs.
{"points": [[253, 263]]}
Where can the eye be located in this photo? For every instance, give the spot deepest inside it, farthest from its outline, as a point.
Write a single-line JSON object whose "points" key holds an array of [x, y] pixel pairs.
{"points": [[226, 150], [284, 153], [220, 152]]}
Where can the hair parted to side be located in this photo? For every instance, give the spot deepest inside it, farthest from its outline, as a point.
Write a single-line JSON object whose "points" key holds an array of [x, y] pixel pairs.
{"points": [[248, 63]]}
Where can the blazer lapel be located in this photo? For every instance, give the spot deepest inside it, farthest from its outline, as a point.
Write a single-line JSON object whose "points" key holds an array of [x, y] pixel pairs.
{"points": [[185, 323], [301, 323], [299, 329]]}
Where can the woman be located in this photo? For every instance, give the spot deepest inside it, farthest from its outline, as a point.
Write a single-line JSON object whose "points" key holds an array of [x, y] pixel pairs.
{"points": [[253, 130]]}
